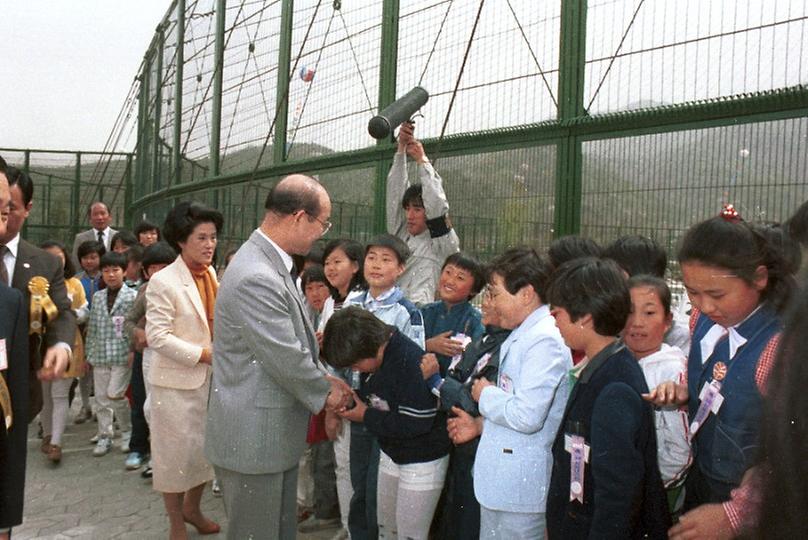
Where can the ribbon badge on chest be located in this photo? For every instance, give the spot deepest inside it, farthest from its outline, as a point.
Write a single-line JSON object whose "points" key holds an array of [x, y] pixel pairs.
{"points": [[40, 303], [579, 457], [711, 398]]}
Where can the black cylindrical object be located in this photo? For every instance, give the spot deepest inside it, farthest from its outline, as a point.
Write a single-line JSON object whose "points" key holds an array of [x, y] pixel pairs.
{"points": [[382, 125]]}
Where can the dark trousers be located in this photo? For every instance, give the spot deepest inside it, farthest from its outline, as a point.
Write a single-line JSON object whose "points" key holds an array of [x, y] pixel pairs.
{"points": [[461, 511], [700, 489], [140, 429], [326, 505], [362, 521]]}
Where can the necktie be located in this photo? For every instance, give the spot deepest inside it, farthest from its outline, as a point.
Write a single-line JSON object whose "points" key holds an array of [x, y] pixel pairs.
{"points": [[3, 271], [101, 237]]}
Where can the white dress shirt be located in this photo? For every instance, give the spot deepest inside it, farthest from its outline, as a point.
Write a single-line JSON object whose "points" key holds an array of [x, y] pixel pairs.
{"points": [[10, 257]]}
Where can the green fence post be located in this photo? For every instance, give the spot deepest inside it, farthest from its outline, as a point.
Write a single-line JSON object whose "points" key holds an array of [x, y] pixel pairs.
{"points": [[282, 88], [142, 125], [572, 58], [180, 60], [76, 197], [128, 211], [388, 65], [158, 108], [218, 71]]}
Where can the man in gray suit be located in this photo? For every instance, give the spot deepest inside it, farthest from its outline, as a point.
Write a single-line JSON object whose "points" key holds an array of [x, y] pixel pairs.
{"points": [[267, 378], [100, 218]]}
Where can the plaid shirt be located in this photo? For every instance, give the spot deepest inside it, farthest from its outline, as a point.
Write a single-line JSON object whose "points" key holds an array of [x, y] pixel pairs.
{"points": [[107, 343]]}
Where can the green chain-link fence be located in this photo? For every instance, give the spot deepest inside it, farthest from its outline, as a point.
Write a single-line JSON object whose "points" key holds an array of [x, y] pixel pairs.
{"points": [[603, 117]]}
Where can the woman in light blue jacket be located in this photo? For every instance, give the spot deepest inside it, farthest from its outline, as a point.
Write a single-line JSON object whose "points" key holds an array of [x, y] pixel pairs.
{"points": [[523, 410]]}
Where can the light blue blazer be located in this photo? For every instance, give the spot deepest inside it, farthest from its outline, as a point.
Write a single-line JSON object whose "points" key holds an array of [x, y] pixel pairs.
{"points": [[521, 417]]}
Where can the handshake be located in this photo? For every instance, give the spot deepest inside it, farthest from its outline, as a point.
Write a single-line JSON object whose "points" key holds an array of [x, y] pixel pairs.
{"points": [[340, 397]]}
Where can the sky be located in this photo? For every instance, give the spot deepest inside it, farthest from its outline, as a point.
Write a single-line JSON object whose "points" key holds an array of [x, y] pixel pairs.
{"points": [[67, 67]]}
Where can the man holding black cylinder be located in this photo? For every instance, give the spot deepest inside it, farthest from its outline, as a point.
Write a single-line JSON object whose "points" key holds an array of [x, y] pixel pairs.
{"points": [[419, 215]]}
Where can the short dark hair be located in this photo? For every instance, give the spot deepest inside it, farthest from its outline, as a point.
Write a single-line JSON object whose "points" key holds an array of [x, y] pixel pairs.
{"points": [[184, 218], [90, 246], [315, 254], [571, 247], [470, 265], [70, 270], [797, 224], [353, 334], [128, 239], [313, 274], [595, 287], [413, 195], [520, 267], [90, 207], [779, 240], [355, 253], [135, 254], [23, 181], [658, 284], [286, 200], [113, 259], [158, 253], [394, 243], [145, 226], [638, 255], [3, 165]]}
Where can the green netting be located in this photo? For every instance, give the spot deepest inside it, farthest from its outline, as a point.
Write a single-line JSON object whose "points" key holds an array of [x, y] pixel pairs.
{"points": [[657, 185], [65, 184], [545, 118]]}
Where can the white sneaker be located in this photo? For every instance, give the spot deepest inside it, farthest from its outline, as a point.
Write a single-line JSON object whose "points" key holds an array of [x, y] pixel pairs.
{"points": [[94, 438], [216, 488], [126, 436], [102, 447]]}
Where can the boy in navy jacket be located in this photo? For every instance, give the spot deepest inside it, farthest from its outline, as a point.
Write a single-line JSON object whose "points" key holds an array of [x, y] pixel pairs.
{"points": [[396, 405]]}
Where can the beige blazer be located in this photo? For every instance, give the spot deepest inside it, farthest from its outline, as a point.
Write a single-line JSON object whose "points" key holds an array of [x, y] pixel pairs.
{"points": [[176, 328]]}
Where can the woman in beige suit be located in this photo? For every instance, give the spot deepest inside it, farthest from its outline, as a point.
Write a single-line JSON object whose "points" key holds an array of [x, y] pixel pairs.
{"points": [[179, 328]]}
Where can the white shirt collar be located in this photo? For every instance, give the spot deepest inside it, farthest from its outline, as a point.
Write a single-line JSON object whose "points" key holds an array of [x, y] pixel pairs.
{"points": [[13, 245], [716, 332], [285, 257]]}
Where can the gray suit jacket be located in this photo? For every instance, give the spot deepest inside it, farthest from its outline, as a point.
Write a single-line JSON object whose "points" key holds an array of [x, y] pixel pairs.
{"points": [[266, 376], [90, 234]]}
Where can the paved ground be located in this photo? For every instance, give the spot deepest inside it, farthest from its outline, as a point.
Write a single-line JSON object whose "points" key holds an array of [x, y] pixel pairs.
{"points": [[96, 498]]}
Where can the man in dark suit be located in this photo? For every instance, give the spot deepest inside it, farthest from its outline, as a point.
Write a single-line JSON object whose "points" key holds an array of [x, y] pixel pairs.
{"points": [[13, 390], [100, 219], [50, 351]]}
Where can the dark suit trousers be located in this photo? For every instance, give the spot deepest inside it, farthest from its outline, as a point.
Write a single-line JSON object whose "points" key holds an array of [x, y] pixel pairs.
{"points": [[260, 506], [140, 429]]}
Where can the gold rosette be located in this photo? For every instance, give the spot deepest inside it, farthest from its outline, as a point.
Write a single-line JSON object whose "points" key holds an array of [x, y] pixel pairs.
{"points": [[40, 303], [5, 403]]}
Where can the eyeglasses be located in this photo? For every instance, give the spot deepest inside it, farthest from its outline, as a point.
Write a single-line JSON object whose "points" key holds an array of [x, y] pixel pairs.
{"points": [[326, 225]]}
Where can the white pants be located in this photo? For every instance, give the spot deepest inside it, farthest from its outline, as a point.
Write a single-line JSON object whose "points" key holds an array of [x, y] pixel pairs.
{"points": [[110, 389], [407, 497], [54, 408], [511, 525], [342, 455]]}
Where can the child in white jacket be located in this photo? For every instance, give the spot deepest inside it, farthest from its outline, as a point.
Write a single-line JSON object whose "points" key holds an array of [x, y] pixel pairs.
{"points": [[644, 332]]}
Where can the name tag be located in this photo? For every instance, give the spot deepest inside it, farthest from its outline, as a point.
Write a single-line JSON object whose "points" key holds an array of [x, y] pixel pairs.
{"points": [[117, 321], [506, 383], [579, 457], [711, 401], [378, 403]]}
